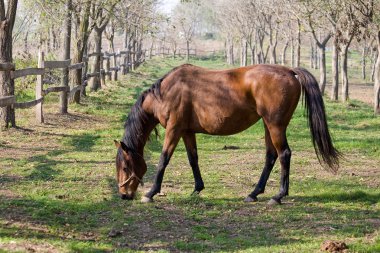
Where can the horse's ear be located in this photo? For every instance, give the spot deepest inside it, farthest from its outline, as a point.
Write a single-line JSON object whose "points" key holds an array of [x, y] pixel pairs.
{"points": [[124, 147], [117, 143], [125, 150]]}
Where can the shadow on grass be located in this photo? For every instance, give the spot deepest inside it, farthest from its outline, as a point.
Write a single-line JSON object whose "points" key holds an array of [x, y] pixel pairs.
{"points": [[356, 196], [83, 142], [44, 168]]}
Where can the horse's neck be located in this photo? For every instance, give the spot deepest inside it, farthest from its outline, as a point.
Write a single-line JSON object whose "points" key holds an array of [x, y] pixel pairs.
{"points": [[138, 139], [148, 128]]}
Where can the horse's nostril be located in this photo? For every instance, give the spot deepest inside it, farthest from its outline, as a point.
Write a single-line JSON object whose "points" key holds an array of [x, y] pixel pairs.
{"points": [[125, 196]]}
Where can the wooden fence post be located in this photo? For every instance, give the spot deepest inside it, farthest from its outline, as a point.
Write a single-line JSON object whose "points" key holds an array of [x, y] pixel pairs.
{"points": [[123, 60], [108, 66], [84, 75], [128, 62], [133, 55], [64, 100], [115, 67], [39, 87], [102, 72], [116, 61], [102, 76]]}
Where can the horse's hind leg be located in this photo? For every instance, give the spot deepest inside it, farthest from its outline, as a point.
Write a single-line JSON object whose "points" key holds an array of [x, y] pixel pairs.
{"points": [[278, 136], [270, 159], [192, 154]]}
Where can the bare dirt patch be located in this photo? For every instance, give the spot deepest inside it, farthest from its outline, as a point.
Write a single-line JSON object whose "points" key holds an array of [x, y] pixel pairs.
{"points": [[14, 246], [334, 246], [358, 91]]}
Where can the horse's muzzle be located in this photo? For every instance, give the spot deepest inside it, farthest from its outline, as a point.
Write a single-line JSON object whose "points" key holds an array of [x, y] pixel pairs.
{"points": [[126, 197]]}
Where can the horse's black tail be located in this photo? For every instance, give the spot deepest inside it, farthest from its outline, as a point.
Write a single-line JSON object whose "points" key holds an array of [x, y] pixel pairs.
{"points": [[317, 119]]}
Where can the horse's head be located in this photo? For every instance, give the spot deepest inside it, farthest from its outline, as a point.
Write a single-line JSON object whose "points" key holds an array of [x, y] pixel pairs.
{"points": [[130, 169]]}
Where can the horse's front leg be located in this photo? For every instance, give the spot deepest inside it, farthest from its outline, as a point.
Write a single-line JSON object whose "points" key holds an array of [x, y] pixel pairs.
{"points": [[171, 141], [192, 154]]}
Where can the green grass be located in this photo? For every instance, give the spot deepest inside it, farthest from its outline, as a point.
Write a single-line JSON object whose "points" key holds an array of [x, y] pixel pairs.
{"points": [[57, 187]]}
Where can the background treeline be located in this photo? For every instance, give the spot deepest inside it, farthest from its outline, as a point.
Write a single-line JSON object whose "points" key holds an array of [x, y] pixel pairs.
{"points": [[243, 32]]}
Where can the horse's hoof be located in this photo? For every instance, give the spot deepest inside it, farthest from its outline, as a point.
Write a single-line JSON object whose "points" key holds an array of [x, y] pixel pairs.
{"points": [[273, 202], [195, 193], [146, 200], [250, 199]]}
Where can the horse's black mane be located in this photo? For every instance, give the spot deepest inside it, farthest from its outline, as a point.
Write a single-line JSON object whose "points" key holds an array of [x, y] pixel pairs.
{"points": [[137, 118]]}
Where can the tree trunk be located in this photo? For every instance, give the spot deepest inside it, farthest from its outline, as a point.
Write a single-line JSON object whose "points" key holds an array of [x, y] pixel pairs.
{"points": [[243, 56], [266, 54], [292, 56], [364, 62], [312, 54], [321, 44], [55, 43], [232, 54], [261, 47], [283, 56], [66, 55], [298, 59], [126, 58], [253, 56], [376, 88], [48, 41], [76, 75], [7, 114], [187, 50], [335, 72], [139, 53], [273, 47], [111, 43], [322, 70], [225, 50], [26, 42], [230, 50], [40, 42], [373, 65], [97, 64], [151, 49], [344, 56], [80, 47], [316, 57], [133, 55], [125, 40], [273, 59]]}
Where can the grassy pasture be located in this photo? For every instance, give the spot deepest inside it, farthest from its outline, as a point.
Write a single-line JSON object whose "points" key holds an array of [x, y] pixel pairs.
{"points": [[58, 193]]}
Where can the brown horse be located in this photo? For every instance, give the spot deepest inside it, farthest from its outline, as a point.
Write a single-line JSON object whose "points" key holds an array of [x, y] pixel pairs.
{"points": [[190, 100]]}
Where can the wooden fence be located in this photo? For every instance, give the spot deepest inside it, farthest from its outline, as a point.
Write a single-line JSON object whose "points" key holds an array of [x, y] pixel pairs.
{"points": [[122, 61], [193, 52], [163, 51]]}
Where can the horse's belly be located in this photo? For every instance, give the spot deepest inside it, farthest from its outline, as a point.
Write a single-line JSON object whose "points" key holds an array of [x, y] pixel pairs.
{"points": [[226, 125]]}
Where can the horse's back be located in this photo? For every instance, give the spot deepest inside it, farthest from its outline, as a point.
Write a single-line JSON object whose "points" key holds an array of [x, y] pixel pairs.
{"points": [[224, 102]]}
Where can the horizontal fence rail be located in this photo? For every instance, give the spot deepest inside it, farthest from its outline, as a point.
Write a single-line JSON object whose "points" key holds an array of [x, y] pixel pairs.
{"points": [[27, 72], [57, 64], [7, 66], [8, 100]]}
